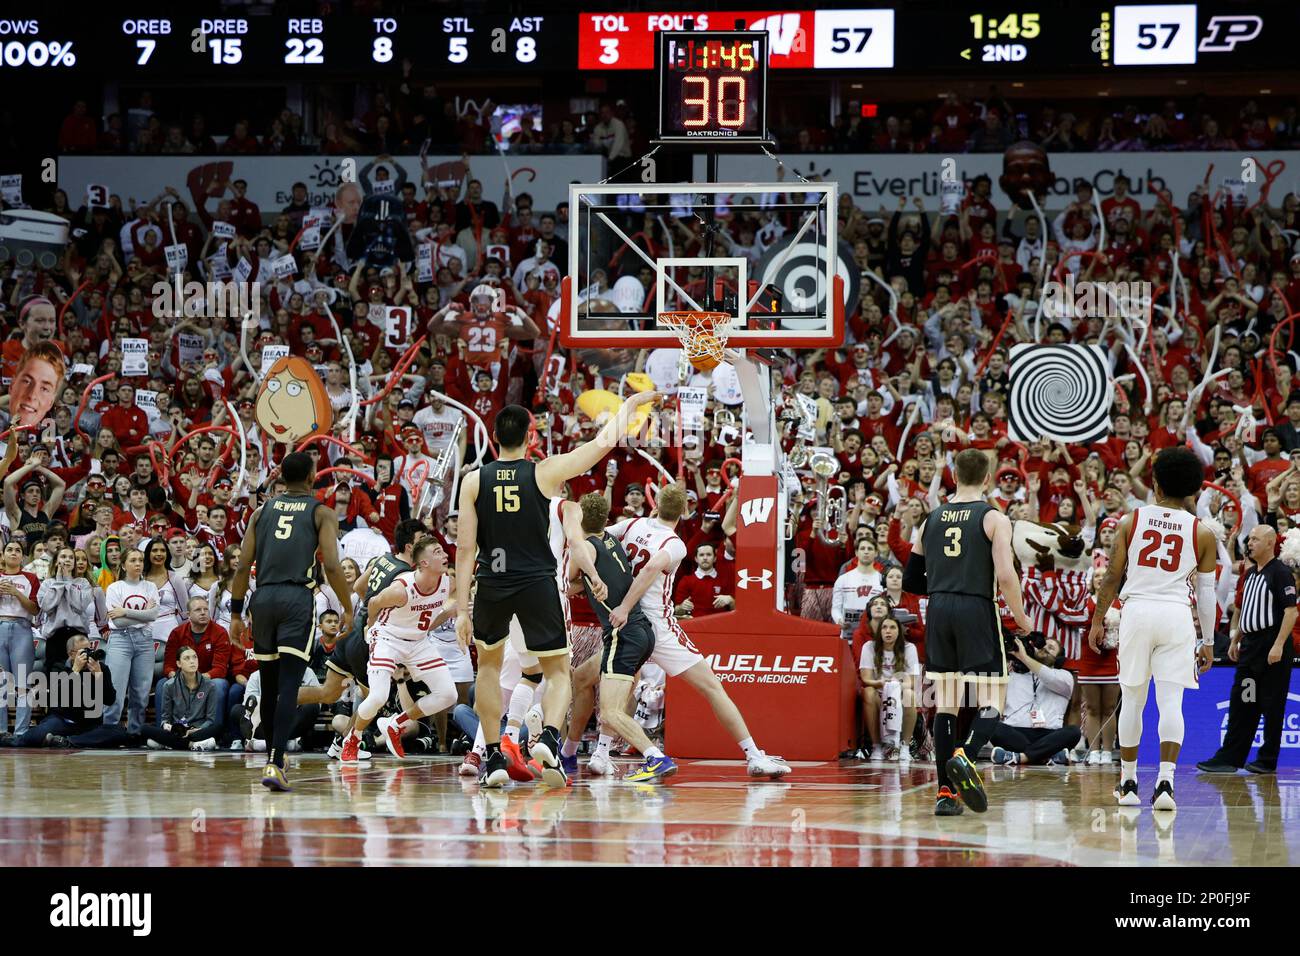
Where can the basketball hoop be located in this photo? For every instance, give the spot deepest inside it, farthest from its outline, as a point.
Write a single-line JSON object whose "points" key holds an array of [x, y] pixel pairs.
{"points": [[703, 336]]}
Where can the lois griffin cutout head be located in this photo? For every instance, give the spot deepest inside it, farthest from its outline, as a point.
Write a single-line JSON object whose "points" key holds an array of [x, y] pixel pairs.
{"points": [[292, 403]]}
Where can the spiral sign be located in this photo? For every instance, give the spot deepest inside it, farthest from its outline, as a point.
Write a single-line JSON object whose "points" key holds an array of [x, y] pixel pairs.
{"points": [[802, 280], [1062, 392]]}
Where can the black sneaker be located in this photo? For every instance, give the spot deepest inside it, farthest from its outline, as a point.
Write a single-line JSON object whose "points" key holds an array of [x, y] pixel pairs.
{"points": [[1126, 792], [58, 742], [495, 772], [1215, 766], [1256, 767], [947, 805], [966, 780], [1163, 798], [546, 752]]}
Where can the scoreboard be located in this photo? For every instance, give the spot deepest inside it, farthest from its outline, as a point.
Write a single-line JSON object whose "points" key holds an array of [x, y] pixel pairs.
{"points": [[915, 37]]}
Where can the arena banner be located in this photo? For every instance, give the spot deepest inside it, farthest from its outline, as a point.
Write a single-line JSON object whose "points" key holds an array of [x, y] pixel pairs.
{"points": [[1205, 718], [270, 178], [874, 180]]}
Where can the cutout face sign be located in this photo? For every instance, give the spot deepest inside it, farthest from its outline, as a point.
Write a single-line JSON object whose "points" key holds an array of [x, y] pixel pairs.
{"points": [[292, 403]]}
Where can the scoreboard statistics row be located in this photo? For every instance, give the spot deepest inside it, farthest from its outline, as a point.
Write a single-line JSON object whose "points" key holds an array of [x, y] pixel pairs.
{"points": [[919, 36]]}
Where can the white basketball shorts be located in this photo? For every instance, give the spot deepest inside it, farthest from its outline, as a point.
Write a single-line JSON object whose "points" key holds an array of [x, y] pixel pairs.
{"points": [[1157, 639]]}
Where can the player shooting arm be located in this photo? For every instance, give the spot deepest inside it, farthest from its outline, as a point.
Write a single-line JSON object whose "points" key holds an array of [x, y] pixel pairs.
{"points": [[392, 596], [327, 534], [1004, 566], [582, 554], [466, 542], [657, 566], [553, 472]]}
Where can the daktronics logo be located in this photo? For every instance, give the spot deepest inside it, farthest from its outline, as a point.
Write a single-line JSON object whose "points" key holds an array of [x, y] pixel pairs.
{"points": [[762, 669], [1222, 34], [757, 510]]}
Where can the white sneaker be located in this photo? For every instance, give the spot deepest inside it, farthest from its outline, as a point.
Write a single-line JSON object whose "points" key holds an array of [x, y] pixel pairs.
{"points": [[761, 765], [533, 721], [1106, 757], [1094, 758], [905, 757], [294, 746], [877, 752], [153, 745], [236, 745], [601, 765], [259, 746], [209, 744]]}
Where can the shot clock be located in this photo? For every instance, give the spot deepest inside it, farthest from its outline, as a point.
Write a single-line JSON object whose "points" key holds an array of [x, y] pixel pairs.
{"points": [[713, 86]]}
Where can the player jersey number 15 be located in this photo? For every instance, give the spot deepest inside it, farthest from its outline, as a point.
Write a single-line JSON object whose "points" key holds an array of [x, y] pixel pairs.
{"points": [[507, 497]]}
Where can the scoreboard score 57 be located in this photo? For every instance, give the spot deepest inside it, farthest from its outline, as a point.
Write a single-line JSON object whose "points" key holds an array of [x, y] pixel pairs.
{"points": [[713, 86]]}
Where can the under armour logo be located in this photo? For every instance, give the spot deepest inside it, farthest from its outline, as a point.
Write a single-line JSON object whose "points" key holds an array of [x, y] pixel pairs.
{"points": [[744, 579], [757, 510], [1222, 34]]}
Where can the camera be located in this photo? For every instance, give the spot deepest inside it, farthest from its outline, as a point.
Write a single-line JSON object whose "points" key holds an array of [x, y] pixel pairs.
{"points": [[1033, 641]]}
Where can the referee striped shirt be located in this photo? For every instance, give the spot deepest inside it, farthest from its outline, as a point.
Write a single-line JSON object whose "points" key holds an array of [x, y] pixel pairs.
{"points": [[1266, 593]]}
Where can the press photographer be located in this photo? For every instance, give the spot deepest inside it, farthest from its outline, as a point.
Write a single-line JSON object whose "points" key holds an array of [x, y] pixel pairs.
{"points": [[1038, 696], [82, 710]]}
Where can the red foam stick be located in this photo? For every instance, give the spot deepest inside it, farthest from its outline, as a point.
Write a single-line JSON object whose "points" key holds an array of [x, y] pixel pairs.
{"points": [[398, 371], [351, 471], [72, 298], [331, 440]]}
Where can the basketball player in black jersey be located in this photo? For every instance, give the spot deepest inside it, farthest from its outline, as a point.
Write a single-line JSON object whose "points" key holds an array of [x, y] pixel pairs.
{"points": [[625, 648], [283, 537], [351, 655], [504, 545], [962, 559]]}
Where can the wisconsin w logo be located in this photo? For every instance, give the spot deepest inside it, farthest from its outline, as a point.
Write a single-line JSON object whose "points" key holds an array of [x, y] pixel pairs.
{"points": [[757, 510]]}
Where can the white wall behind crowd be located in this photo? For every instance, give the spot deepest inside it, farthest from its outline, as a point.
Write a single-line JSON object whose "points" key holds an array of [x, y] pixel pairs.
{"points": [[876, 179], [270, 178]]}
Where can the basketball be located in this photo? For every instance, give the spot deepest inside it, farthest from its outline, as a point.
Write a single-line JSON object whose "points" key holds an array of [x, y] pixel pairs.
{"points": [[709, 355]]}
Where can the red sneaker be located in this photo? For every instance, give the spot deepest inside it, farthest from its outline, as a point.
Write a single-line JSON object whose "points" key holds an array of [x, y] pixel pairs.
{"points": [[472, 766], [392, 736], [515, 765], [351, 743]]}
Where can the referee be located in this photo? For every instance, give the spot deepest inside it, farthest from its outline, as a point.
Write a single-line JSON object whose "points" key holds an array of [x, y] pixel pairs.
{"points": [[1261, 646]]}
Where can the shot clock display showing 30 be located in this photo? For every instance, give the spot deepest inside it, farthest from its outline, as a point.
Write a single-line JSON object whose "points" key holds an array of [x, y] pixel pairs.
{"points": [[713, 86]]}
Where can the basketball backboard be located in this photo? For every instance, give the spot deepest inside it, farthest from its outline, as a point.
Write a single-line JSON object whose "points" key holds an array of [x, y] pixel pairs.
{"points": [[766, 254]]}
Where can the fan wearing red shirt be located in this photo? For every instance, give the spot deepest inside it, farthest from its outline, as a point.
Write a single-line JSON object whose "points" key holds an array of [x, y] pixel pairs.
{"points": [[482, 331], [124, 420], [1121, 204], [704, 592], [1269, 467]]}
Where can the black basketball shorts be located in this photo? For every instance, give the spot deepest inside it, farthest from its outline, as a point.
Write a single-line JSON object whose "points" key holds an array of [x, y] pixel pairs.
{"points": [[536, 604], [626, 649], [283, 617], [350, 657], [963, 636]]}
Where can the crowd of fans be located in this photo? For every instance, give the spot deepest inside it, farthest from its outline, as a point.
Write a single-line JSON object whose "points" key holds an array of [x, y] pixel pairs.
{"points": [[105, 502], [405, 117]]}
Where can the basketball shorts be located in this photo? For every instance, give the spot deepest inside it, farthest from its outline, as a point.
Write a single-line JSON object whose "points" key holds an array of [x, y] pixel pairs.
{"points": [[350, 658], [421, 658], [673, 650], [963, 637], [537, 606], [1157, 639], [626, 649], [282, 621]]}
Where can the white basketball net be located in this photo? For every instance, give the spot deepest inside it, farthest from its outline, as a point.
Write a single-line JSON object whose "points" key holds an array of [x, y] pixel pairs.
{"points": [[703, 334]]}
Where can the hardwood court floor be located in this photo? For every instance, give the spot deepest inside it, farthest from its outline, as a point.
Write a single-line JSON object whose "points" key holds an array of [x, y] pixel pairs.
{"points": [[70, 808]]}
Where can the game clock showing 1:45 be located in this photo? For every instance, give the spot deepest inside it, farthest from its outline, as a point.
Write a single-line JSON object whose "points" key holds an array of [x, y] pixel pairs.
{"points": [[1009, 29]]}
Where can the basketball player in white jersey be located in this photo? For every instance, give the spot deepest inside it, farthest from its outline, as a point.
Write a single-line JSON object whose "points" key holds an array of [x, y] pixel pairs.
{"points": [[403, 617], [1158, 550], [655, 552]]}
